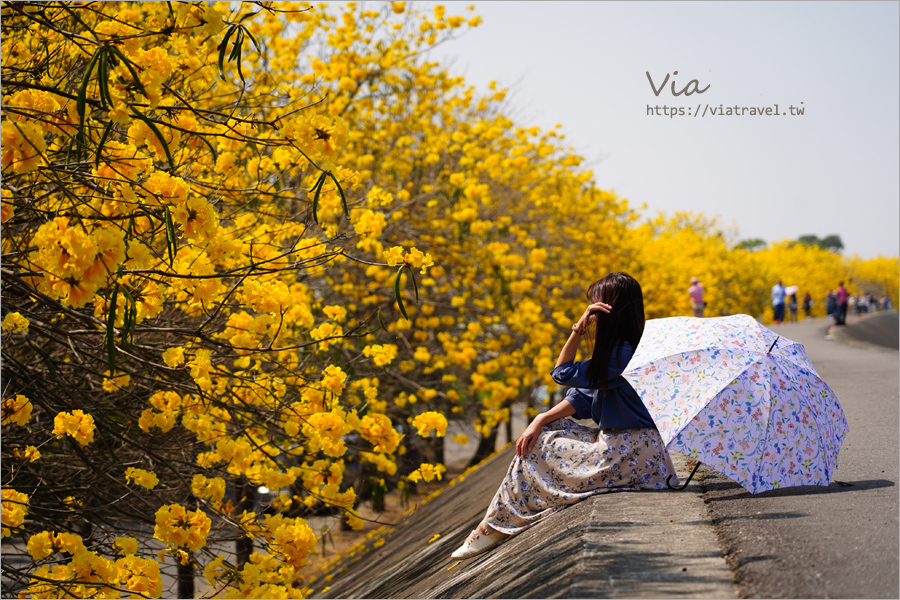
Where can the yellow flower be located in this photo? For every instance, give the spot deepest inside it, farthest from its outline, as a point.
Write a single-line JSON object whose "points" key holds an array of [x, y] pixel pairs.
{"points": [[393, 256], [139, 576], [377, 429], [212, 488], [14, 323], [146, 479], [338, 313], [353, 520], [76, 424], [427, 421], [174, 357], [14, 507], [416, 259], [7, 207], [368, 223], [125, 545], [381, 354], [30, 453], [333, 379], [41, 545], [427, 472], [111, 384], [16, 410], [177, 526]]}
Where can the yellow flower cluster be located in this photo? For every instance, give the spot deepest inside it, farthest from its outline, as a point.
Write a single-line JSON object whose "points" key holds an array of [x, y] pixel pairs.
{"points": [[212, 488], [378, 430], [14, 509], [381, 354], [14, 322], [94, 575], [30, 454], [428, 421], [112, 383], [16, 410], [77, 424], [145, 479], [264, 254], [426, 472], [177, 526]]}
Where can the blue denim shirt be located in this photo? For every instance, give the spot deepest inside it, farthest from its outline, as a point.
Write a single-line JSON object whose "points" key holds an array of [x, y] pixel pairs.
{"points": [[621, 408]]}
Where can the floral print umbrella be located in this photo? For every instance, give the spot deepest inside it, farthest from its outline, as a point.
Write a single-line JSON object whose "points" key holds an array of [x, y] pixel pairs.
{"points": [[732, 394]]}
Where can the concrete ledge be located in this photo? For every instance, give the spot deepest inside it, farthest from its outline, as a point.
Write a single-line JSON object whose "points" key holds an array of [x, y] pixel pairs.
{"points": [[619, 545]]}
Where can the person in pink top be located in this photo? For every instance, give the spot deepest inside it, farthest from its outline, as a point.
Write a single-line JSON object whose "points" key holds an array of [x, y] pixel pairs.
{"points": [[843, 298], [696, 294]]}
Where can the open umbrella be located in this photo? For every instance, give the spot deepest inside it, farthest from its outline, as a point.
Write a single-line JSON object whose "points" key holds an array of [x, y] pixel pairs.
{"points": [[732, 394]]}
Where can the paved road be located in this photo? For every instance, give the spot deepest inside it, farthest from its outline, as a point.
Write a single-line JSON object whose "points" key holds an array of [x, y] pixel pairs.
{"points": [[834, 542]]}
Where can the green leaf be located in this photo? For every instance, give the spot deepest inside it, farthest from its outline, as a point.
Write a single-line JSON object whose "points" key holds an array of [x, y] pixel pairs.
{"points": [[134, 75], [157, 133], [222, 47], [252, 39], [341, 192], [317, 191], [111, 330], [130, 319], [415, 286], [380, 320], [397, 293], [81, 100], [102, 141], [102, 86], [170, 238], [238, 47]]}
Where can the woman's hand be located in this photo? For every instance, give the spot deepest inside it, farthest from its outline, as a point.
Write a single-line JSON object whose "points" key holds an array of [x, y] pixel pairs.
{"points": [[528, 437], [590, 314]]}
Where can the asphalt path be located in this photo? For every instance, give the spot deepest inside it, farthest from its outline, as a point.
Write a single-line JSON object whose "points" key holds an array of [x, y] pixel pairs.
{"points": [[827, 542]]}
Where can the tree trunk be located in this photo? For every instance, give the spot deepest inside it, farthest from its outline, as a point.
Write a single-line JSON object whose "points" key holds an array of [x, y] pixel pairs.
{"points": [[185, 580], [486, 447]]}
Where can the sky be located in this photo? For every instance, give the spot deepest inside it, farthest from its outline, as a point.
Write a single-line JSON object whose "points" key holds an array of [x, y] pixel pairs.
{"points": [[832, 170]]}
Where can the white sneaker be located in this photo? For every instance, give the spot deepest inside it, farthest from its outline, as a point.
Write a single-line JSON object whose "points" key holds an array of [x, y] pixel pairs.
{"points": [[477, 544]]}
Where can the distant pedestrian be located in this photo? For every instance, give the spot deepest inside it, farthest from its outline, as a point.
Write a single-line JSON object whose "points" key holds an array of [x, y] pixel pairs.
{"points": [[859, 302], [792, 305], [843, 301], [696, 294], [830, 303], [778, 295], [807, 304], [885, 302]]}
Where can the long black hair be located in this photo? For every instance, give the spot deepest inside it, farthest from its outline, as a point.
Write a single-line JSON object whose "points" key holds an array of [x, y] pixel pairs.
{"points": [[623, 323]]}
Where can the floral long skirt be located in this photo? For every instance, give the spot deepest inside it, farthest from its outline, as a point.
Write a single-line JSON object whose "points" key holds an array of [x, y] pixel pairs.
{"points": [[570, 462]]}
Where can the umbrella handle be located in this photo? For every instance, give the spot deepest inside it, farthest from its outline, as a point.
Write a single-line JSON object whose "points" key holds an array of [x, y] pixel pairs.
{"points": [[687, 481]]}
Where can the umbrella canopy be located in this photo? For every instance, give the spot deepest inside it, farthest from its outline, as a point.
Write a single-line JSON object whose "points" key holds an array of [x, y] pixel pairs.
{"points": [[734, 395], [791, 290]]}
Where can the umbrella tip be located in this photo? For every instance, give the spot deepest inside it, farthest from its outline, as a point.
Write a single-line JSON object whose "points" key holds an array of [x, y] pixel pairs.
{"points": [[773, 344]]}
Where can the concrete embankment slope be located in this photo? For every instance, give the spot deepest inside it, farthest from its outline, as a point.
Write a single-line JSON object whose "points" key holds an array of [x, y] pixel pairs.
{"points": [[619, 545]]}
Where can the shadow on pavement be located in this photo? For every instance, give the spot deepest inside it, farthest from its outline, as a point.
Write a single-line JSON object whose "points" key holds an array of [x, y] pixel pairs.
{"points": [[806, 490]]}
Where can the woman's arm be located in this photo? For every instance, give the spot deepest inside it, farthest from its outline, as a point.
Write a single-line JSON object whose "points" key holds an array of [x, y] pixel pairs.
{"points": [[567, 354], [526, 440]]}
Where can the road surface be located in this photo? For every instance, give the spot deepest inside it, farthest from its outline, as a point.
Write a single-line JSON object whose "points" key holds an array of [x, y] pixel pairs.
{"points": [[827, 542]]}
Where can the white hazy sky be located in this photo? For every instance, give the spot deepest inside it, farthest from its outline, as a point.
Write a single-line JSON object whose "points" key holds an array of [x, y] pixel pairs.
{"points": [[833, 170]]}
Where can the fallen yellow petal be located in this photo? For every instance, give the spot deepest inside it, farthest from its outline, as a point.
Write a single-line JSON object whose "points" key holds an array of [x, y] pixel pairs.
{"points": [[453, 565], [436, 536]]}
